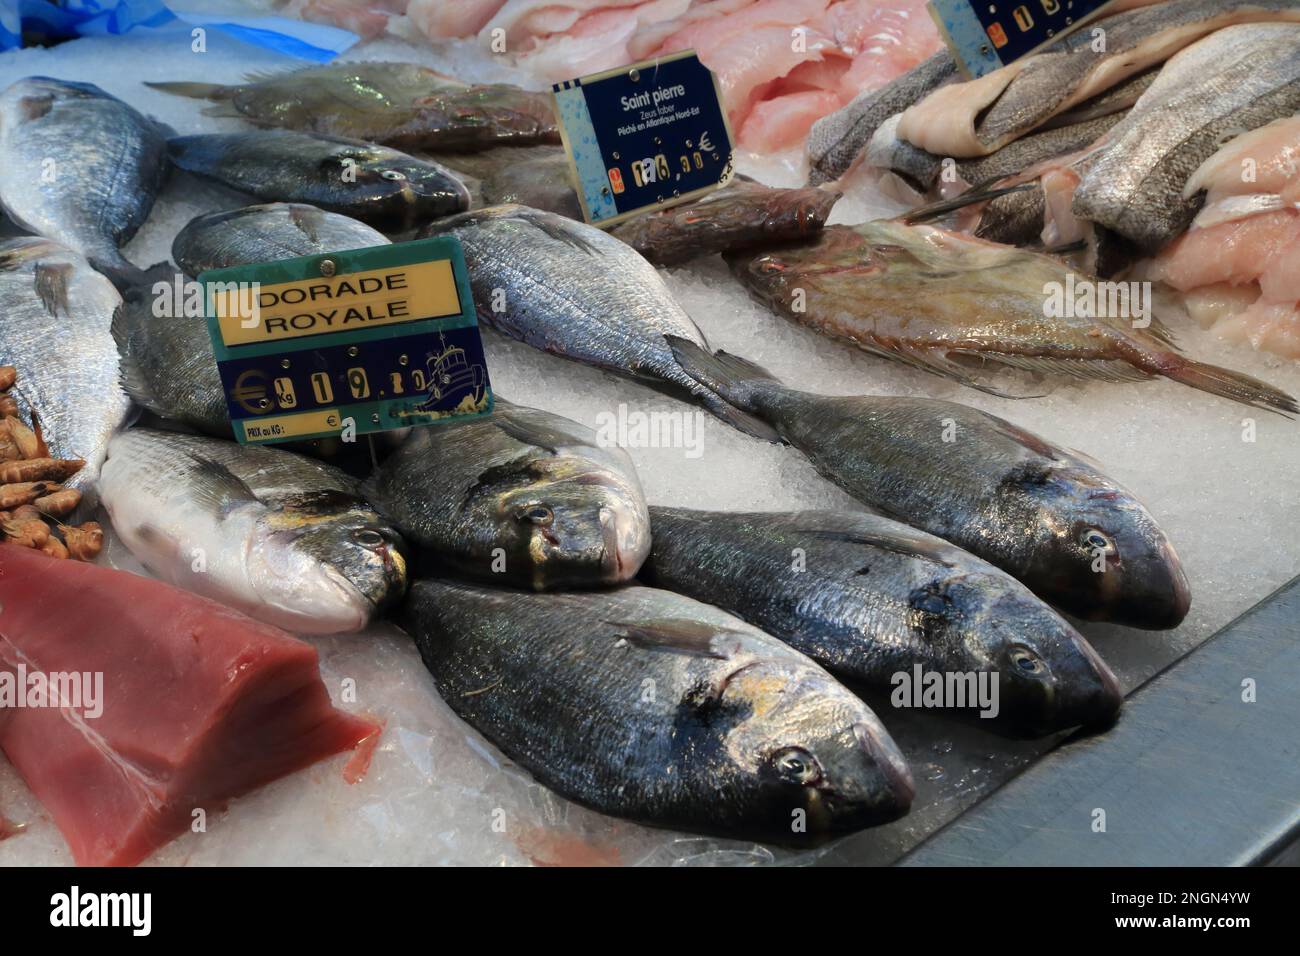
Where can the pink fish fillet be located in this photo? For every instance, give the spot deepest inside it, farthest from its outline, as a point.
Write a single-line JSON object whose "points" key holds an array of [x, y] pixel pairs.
{"points": [[199, 703], [445, 19], [782, 122]]}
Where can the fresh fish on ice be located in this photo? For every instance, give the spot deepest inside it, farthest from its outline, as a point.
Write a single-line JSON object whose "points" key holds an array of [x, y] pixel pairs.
{"points": [[1235, 80], [282, 538], [79, 166], [870, 598], [397, 104], [378, 185], [982, 115], [943, 302], [55, 316], [573, 290], [648, 705], [1041, 514], [266, 233], [521, 497]]}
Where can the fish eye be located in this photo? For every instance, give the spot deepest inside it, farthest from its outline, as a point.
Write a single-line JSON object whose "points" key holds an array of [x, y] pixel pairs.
{"points": [[796, 765], [368, 538], [1026, 661], [393, 174], [1096, 540], [769, 267], [537, 514]]}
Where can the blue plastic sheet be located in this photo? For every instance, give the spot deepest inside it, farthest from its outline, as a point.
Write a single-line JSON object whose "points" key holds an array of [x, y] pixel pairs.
{"points": [[71, 18]]}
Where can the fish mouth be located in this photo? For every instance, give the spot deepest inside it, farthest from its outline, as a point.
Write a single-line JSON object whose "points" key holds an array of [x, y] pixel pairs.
{"points": [[624, 550]]}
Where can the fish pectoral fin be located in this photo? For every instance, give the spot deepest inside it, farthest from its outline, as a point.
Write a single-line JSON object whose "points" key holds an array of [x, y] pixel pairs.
{"points": [[215, 485], [899, 542], [51, 281], [518, 427], [673, 636]]}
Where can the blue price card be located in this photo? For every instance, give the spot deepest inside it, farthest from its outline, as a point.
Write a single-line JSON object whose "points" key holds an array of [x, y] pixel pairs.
{"points": [[986, 35], [644, 136], [348, 342]]}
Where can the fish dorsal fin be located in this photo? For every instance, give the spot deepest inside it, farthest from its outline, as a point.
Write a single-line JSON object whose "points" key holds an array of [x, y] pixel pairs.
{"points": [[216, 485], [673, 636]]}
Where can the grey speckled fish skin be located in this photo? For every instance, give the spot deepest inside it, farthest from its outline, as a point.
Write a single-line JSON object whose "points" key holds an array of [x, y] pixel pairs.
{"points": [[266, 233], [1034, 510], [836, 141], [520, 483], [573, 290], [869, 598], [78, 166], [386, 189], [648, 705], [1234, 80], [55, 313], [542, 179]]}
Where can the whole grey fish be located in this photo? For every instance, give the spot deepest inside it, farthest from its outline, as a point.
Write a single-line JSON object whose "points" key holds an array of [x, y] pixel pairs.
{"points": [[539, 178], [378, 185], [980, 116], [868, 598], [168, 365], [521, 497], [1076, 538], [1235, 80], [265, 233], [78, 166], [648, 705], [835, 141], [55, 313], [283, 538], [573, 290], [401, 104]]}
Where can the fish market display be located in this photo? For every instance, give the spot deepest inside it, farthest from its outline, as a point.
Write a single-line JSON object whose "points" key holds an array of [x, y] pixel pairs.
{"points": [[78, 166], [1235, 80], [868, 598], [398, 104], [781, 64], [378, 185], [978, 117], [573, 290], [648, 705], [32, 496], [283, 538], [266, 233], [1039, 513], [55, 314], [937, 300], [521, 497], [182, 704]]}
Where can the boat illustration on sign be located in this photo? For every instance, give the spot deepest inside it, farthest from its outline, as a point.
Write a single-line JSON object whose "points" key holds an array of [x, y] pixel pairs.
{"points": [[449, 372]]}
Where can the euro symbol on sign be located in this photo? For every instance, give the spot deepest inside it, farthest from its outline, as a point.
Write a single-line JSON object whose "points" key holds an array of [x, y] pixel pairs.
{"points": [[705, 145], [250, 392]]}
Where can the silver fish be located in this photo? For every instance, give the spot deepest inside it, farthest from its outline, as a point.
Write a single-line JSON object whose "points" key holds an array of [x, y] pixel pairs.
{"points": [[283, 538], [521, 497], [836, 141], [1235, 80], [648, 705], [574, 290], [55, 314], [378, 185], [78, 166], [1043, 515], [266, 233], [868, 598]]}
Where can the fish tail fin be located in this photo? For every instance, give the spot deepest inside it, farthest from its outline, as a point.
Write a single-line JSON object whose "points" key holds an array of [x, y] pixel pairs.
{"points": [[198, 91], [734, 383], [130, 321], [1229, 384]]}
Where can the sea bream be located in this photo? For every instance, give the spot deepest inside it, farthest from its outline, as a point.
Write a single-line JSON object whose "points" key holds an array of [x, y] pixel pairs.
{"points": [[398, 104], [55, 318], [1042, 514], [283, 538], [949, 303], [1235, 80], [521, 497], [376, 184], [868, 598], [648, 705], [575, 291], [79, 166], [980, 116]]}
